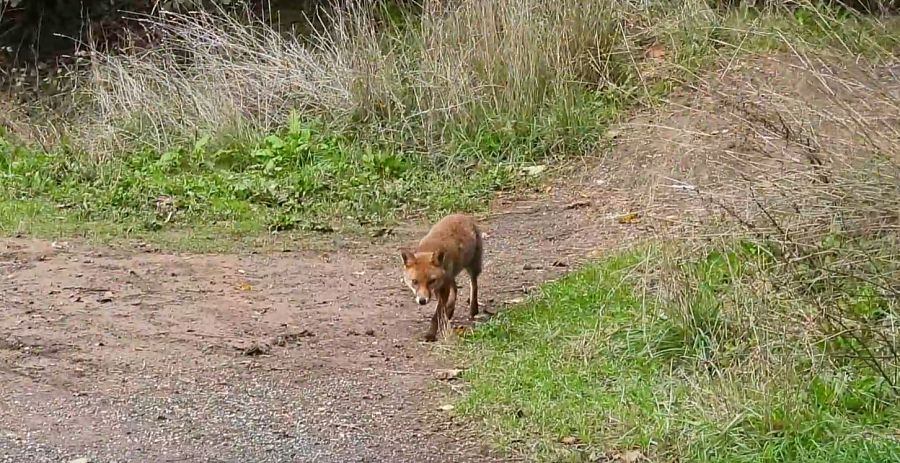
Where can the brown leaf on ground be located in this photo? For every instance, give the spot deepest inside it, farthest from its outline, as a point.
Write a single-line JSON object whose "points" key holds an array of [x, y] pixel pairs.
{"points": [[656, 52], [577, 205], [631, 456], [629, 218], [569, 440]]}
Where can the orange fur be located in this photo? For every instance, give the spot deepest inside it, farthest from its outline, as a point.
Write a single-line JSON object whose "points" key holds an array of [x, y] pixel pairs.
{"points": [[452, 245]]}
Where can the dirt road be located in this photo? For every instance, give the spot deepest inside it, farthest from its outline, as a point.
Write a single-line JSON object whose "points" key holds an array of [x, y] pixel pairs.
{"points": [[126, 354]]}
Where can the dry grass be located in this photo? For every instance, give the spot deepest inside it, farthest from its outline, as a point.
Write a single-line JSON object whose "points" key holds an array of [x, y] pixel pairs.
{"points": [[800, 160], [770, 331], [208, 74], [213, 74], [524, 66], [473, 83], [793, 283]]}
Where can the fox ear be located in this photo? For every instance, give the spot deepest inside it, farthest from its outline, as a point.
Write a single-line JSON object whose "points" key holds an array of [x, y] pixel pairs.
{"points": [[407, 256], [437, 258]]}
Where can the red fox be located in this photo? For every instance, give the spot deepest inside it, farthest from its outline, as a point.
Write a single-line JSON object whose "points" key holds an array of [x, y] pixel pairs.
{"points": [[452, 245]]}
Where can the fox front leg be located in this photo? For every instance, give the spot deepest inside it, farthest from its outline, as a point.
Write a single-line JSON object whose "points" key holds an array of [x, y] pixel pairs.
{"points": [[440, 324], [451, 301], [431, 334], [436, 319]]}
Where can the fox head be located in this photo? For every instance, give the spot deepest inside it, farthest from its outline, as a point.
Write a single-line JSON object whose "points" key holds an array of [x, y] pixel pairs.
{"points": [[423, 273]]}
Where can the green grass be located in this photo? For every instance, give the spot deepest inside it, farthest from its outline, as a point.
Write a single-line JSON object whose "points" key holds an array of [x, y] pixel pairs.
{"points": [[296, 180], [697, 375], [40, 219]]}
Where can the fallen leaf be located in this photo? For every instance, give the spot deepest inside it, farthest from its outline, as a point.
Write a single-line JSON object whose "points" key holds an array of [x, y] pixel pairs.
{"points": [[446, 408], [245, 286], [629, 218], [257, 349], [656, 52], [461, 330], [631, 456], [321, 228], [532, 267], [513, 301], [559, 263], [535, 170], [382, 232], [447, 374], [289, 338], [569, 440]]}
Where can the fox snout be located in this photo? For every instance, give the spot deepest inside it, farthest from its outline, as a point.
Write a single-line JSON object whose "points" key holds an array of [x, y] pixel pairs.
{"points": [[423, 295]]}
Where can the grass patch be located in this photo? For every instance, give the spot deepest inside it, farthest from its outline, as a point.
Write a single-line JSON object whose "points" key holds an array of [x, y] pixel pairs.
{"points": [[295, 179], [39, 219], [768, 333], [389, 113], [712, 372]]}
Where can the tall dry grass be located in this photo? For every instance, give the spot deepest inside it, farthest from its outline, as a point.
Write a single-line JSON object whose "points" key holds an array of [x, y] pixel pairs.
{"points": [[522, 66], [458, 66], [793, 279]]}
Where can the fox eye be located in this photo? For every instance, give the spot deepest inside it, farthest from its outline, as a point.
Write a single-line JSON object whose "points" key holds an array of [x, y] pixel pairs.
{"points": [[431, 281], [415, 282]]}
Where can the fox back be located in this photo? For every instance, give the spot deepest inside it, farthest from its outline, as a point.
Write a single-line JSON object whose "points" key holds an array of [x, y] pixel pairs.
{"points": [[452, 245]]}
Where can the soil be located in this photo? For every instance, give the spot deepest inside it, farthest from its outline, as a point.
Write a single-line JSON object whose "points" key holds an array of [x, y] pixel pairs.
{"points": [[132, 355], [129, 354]]}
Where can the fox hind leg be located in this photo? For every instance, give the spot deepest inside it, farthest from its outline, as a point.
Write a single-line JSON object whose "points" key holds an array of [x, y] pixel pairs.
{"points": [[474, 271]]}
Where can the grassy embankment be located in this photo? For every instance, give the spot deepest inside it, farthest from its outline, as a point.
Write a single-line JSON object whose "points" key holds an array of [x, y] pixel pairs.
{"points": [[226, 130], [771, 333]]}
